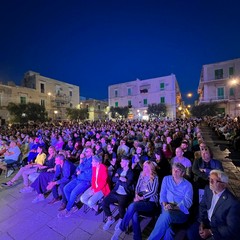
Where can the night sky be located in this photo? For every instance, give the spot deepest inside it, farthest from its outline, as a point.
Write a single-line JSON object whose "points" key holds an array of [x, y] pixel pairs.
{"points": [[94, 44]]}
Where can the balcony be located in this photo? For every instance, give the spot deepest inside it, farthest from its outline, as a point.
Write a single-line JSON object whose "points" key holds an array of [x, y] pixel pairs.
{"points": [[144, 90], [61, 99], [213, 99]]}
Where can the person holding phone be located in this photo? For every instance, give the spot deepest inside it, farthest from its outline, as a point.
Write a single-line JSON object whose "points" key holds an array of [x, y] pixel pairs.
{"points": [[176, 198], [145, 201]]}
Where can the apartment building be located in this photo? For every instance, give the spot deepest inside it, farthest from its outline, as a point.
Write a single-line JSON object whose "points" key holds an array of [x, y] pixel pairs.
{"points": [[97, 109], [55, 95], [220, 82], [139, 94]]}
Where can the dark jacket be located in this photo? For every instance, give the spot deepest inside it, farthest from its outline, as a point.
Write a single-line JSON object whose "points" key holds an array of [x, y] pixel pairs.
{"points": [[202, 177], [64, 174], [225, 220], [128, 185]]}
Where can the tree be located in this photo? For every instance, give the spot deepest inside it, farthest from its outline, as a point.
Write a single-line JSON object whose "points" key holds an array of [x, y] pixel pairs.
{"points": [[119, 111], [22, 113], [157, 110], [205, 109], [77, 114]]}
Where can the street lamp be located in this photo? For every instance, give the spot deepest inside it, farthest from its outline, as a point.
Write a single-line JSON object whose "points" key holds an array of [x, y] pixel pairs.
{"points": [[234, 81], [55, 114], [189, 95]]}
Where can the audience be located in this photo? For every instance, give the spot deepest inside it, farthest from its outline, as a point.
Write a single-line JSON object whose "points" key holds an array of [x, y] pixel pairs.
{"points": [[128, 144]]}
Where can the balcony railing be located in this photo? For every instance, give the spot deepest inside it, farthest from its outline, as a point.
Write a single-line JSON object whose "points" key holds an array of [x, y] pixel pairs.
{"points": [[218, 99], [61, 99]]}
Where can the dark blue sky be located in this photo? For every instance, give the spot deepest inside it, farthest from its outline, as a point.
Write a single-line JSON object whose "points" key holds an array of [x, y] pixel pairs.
{"points": [[94, 44]]}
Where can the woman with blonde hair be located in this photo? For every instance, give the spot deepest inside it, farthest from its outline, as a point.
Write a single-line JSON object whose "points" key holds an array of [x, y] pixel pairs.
{"points": [[145, 201], [49, 164]]}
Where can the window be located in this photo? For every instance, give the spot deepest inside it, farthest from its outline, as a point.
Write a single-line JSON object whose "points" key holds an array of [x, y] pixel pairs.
{"points": [[162, 99], [145, 90], [145, 101], [116, 93], [42, 87], [221, 111], [218, 73], [23, 100], [71, 105], [0, 99], [231, 91], [162, 86], [87, 106], [220, 93], [42, 103], [129, 91], [70, 93], [116, 104], [99, 107], [58, 90], [231, 71], [129, 103]]}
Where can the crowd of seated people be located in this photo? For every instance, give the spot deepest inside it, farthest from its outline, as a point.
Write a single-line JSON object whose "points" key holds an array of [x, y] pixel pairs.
{"points": [[227, 128], [138, 165]]}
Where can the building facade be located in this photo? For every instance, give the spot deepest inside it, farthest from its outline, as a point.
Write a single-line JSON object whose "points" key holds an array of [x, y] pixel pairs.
{"points": [[97, 109], [54, 95], [139, 94], [220, 82]]}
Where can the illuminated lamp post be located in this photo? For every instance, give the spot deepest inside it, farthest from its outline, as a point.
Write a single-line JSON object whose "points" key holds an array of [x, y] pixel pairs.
{"points": [[55, 114]]}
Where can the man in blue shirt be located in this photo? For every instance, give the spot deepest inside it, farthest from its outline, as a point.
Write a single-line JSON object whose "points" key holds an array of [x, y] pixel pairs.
{"points": [[175, 198], [79, 184], [10, 156]]}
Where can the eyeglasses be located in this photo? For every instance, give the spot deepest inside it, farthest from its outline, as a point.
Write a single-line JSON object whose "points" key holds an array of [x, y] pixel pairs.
{"points": [[215, 180]]}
